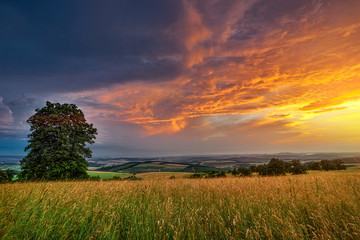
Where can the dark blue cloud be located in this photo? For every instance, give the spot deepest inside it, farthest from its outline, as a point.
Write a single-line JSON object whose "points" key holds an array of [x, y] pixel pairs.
{"points": [[63, 45]]}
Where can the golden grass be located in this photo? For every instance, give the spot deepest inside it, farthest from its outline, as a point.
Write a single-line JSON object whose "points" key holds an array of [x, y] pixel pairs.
{"points": [[313, 206]]}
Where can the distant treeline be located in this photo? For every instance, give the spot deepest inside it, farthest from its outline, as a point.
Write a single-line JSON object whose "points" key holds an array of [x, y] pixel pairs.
{"points": [[327, 165], [277, 167], [211, 174]]}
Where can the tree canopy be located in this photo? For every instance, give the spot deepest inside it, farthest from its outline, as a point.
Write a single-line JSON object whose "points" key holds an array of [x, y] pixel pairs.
{"points": [[57, 143]]}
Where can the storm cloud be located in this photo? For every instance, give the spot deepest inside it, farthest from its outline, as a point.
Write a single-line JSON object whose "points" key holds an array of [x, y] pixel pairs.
{"points": [[170, 76]]}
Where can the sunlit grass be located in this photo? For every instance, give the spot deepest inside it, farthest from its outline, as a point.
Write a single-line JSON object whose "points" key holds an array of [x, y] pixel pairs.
{"points": [[314, 206]]}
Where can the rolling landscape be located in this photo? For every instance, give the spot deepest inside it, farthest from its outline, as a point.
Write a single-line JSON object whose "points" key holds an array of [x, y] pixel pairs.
{"points": [[179, 119], [193, 164]]}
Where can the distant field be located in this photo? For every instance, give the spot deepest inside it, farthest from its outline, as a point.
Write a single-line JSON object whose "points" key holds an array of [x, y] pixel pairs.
{"points": [[319, 205], [11, 166], [162, 175], [106, 175], [136, 167]]}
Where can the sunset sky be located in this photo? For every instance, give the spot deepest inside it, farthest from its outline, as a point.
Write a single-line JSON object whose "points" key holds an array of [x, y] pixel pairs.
{"points": [[184, 77]]}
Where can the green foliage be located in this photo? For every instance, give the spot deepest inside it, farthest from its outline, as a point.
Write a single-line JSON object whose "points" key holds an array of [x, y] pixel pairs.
{"points": [[7, 176], [197, 175], [115, 177], [339, 164], [314, 166], [278, 167], [210, 174], [244, 172], [132, 178], [262, 170], [59, 134], [327, 165], [253, 168], [296, 167], [106, 175], [94, 178], [2, 176]]}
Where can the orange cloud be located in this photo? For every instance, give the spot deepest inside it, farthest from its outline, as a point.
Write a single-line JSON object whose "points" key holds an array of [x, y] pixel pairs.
{"points": [[297, 70]]}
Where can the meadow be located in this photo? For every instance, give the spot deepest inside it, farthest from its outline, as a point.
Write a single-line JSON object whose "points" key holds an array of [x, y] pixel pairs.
{"points": [[319, 205], [106, 175]]}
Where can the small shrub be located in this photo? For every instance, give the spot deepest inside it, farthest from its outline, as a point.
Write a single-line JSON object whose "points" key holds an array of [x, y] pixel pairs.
{"points": [[132, 178], [95, 178], [7, 176], [197, 175]]}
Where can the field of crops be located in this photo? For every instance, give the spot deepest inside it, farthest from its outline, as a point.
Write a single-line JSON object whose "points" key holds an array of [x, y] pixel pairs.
{"points": [[322, 205]]}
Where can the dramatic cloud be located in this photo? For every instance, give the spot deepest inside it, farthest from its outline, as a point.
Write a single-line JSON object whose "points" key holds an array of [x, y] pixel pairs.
{"points": [[178, 77]]}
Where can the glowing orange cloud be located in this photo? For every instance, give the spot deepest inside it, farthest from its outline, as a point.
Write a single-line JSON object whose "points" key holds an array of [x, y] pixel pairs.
{"points": [[286, 78]]}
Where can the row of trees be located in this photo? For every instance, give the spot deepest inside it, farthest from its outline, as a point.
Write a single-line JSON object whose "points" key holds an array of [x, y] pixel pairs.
{"points": [[327, 165], [275, 167], [278, 167]]}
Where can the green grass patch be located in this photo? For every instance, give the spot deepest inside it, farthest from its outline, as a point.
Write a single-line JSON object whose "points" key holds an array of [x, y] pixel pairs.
{"points": [[106, 175]]}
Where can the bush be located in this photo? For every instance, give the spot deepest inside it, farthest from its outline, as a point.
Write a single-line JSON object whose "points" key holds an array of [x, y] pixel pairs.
{"points": [[94, 178], [2, 176], [132, 178], [241, 171], [197, 175], [7, 176], [212, 174]]}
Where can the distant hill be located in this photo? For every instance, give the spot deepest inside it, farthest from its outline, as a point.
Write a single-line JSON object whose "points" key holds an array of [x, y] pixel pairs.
{"points": [[191, 163], [156, 166], [12, 159], [209, 163]]}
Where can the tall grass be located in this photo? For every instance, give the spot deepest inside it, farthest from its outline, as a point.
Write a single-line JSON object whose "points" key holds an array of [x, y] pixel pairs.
{"points": [[321, 206]]}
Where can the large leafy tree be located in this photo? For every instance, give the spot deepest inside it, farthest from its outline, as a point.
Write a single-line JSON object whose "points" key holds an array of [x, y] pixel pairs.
{"points": [[57, 143]]}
